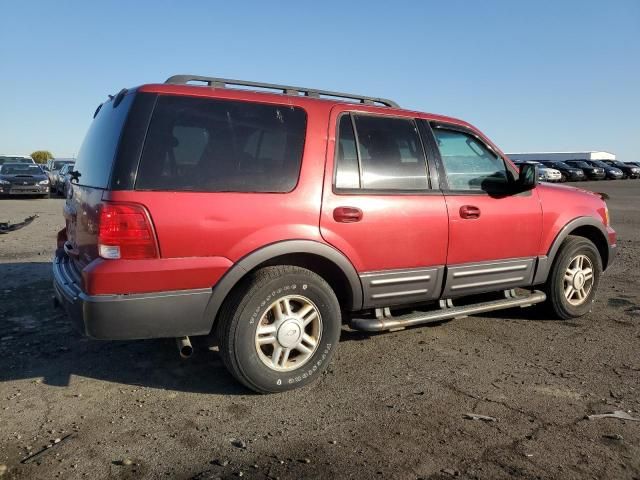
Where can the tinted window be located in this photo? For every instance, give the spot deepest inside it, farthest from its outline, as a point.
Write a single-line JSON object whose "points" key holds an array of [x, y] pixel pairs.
{"points": [[347, 169], [468, 163], [20, 169], [5, 159], [577, 163], [390, 154], [96, 154], [216, 145]]}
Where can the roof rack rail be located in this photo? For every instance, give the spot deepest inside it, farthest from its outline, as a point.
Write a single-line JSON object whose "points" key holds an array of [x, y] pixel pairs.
{"points": [[215, 82]]}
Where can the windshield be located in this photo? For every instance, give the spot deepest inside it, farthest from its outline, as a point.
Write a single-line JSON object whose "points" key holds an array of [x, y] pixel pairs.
{"points": [[619, 164], [58, 164], [561, 165], [600, 164], [5, 159], [580, 164], [18, 169]]}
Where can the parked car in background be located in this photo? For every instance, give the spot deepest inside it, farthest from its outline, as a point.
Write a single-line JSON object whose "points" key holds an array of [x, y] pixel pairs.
{"points": [[567, 172], [267, 219], [611, 173], [15, 159], [545, 173], [62, 178], [592, 173], [54, 165], [629, 171], [23, 179]]}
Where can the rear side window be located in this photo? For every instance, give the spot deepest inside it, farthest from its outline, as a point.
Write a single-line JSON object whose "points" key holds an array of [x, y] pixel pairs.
{"points": [[197, 144], [98, 149], [383, 153]]}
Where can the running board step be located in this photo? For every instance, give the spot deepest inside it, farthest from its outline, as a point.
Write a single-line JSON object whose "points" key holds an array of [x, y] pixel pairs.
{"points": [[388, 322]]}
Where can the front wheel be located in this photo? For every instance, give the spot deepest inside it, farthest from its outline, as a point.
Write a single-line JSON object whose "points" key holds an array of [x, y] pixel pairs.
{"points": [[574, 277], [279, 329]]}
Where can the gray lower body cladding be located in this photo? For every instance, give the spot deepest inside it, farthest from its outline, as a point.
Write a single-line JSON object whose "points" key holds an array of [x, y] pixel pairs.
{"points": [[128, 317], [417, 285]]}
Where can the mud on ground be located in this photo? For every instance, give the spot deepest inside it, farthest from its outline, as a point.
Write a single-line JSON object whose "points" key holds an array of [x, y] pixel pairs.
{"points": [[390, 405]]}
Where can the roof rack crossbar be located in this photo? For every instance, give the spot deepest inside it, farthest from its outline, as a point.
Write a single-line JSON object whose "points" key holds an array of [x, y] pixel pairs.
{"points": [[215, 82]]}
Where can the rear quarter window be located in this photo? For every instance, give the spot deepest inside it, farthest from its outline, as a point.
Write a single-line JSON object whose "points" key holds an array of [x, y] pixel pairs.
{"points": [[210, 145], [100, 144]]}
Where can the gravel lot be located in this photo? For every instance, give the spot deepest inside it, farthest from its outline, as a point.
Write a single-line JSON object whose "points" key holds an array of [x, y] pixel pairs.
{"points": [[391, 405]]}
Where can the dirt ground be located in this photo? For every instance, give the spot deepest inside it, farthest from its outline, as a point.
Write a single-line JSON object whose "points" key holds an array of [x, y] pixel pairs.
{"points": [[390, 406]]}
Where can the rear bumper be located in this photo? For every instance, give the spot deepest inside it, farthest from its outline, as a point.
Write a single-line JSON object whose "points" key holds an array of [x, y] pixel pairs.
{"points": [[128, 317]]}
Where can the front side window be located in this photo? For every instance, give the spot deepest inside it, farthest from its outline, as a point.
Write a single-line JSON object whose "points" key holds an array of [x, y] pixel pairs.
{"points": [[468, 163], [197, 144], [383, 153]]}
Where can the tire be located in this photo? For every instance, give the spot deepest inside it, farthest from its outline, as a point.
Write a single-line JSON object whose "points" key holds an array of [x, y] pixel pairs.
{"points": [[574, 252], [563, 178], [258, 302]]}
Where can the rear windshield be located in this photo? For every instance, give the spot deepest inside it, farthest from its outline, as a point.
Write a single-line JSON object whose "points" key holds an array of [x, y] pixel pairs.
{"points": [[96, 154], [22, 169], [197, 144]]}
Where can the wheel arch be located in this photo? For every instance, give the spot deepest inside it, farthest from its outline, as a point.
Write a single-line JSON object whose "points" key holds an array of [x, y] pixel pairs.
{"points": [[322, 259], [587, 227]]}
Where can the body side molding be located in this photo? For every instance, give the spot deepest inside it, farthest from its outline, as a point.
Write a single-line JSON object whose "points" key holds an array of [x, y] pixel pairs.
{"points": [[286, 247], [399, 287], [480, 277]]}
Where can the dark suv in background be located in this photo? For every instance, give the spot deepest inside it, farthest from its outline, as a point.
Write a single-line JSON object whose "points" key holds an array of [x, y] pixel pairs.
{"points": [[611, 172], [591, 172], [629, 171], [53, 168]]}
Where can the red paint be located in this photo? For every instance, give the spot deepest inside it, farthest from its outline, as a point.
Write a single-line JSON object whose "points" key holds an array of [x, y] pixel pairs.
{"points": [[201, 235]]}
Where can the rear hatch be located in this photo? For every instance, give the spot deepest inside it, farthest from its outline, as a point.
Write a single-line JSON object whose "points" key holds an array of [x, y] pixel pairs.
{"points": [[91, 177]]}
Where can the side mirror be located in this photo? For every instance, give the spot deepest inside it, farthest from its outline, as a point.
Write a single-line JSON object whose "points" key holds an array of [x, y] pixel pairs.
{"points": [[528, 178]]}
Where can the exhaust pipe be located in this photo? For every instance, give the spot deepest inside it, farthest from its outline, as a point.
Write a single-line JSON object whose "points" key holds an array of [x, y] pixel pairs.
{"points": [[184, 347]]}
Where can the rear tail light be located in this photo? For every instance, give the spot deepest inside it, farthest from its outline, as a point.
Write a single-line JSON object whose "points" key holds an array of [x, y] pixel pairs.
{"points": [[125, 231]]}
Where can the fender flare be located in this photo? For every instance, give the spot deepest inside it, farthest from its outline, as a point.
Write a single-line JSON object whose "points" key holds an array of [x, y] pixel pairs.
{"points": [[255, 258], [546, 261]]}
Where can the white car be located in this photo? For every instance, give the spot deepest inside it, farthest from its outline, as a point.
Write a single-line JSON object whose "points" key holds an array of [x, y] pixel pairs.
{"points": [[547, 174]]}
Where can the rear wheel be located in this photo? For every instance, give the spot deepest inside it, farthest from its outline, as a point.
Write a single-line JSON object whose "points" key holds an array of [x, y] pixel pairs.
{"points": [[574, 277], [563, 177], [279, 329]]}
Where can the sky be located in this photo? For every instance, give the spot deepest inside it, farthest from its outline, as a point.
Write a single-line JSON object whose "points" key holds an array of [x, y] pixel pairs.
{"points": [[534, 76]]}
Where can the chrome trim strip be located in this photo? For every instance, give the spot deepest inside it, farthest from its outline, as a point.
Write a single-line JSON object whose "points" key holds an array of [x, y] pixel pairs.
{"points": [[400, 294], [394, 281], [482, 271]]}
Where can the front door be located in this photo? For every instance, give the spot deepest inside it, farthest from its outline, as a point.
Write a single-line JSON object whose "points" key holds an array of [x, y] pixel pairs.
{"points": [[379, 209], [494, 233]]}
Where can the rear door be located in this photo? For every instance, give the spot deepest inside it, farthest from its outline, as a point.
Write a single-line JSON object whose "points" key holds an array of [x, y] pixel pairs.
{"points": [[494, 233], [380, 209]]}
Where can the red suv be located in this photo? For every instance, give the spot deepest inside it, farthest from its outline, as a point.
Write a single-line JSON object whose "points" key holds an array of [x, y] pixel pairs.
{"points": [[268, 218]]}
